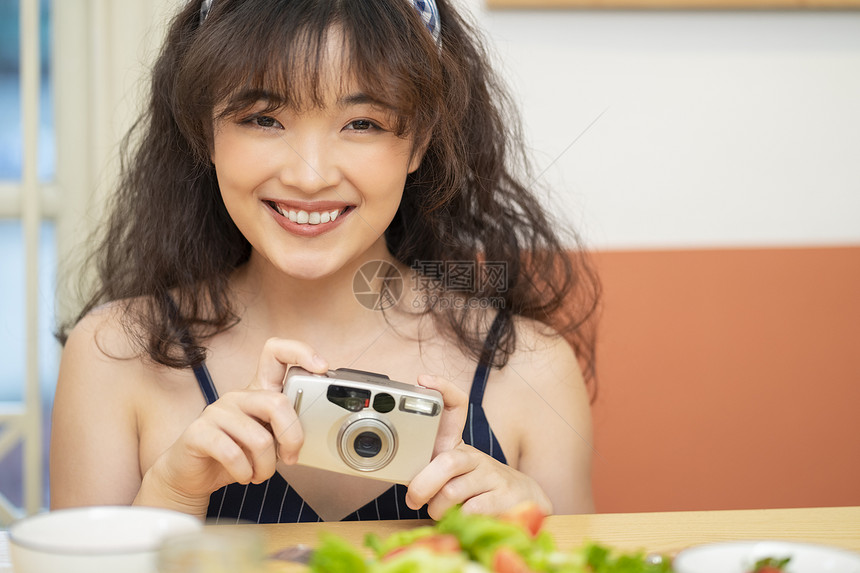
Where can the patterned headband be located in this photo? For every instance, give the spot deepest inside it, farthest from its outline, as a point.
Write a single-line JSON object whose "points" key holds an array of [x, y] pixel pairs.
{"points": [[425, 8]]}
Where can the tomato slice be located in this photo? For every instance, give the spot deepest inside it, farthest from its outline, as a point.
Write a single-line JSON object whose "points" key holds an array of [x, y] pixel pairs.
{"points": [[506, 560], [527, 514]]}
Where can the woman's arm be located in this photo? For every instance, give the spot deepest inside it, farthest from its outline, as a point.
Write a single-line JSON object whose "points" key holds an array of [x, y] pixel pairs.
{"points": [[94, 452], [556, 444]]}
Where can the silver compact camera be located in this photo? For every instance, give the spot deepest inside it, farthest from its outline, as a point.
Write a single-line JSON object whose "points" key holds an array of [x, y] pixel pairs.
{"points": [[364, 424]]}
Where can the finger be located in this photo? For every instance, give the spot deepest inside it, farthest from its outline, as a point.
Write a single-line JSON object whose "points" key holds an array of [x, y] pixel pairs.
{"points": [[274, 409], [249, 433], [469, 491], [221, 448], [277, 355], [453, 419], [233, 459], [485, 502], [288, 432], [442, 469]]}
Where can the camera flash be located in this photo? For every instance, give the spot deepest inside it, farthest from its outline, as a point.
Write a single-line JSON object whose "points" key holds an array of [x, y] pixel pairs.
{"points": [[419, 406]]}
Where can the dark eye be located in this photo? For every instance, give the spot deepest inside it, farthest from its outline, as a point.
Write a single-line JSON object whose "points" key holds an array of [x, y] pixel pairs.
{"points": [[266, 121], [361, 125]]}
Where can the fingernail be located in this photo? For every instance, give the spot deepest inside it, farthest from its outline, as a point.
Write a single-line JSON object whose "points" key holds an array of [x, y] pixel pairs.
{"points": [[319, 362], [424, 379]]}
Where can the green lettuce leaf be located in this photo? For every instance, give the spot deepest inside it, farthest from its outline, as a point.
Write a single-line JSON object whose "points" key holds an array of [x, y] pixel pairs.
{"points": [[399, 539], [336, 555]]}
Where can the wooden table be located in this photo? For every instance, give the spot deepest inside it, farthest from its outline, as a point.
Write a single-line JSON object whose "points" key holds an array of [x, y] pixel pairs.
{"points": [[651, 532]]}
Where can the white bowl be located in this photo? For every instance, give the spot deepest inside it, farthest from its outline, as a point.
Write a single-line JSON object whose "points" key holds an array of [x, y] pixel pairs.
{"points": [[107, 539], [740, 556]]}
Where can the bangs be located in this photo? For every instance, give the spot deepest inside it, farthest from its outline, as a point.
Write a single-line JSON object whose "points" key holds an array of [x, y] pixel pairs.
{"points": [[294, 53]]}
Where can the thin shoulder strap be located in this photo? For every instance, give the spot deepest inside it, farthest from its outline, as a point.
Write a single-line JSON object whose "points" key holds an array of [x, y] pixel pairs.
{"points": [[204, 380], [485, 364], [201, 372]]}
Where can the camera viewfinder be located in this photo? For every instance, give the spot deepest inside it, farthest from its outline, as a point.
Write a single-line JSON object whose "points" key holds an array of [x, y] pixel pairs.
{"points": [[352, 399]]}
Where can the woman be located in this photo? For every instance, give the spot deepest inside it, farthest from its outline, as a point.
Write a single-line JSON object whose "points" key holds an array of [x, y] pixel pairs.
{"points": [[292, 149]]}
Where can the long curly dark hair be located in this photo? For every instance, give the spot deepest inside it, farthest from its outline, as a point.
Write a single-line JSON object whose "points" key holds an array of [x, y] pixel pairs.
{"points": [[170, 246]]}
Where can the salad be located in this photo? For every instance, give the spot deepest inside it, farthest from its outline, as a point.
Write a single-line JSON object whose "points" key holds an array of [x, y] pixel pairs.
{"points": [[511, 543]]}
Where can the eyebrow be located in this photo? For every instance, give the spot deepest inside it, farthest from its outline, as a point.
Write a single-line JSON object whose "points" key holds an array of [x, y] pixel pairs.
{"points": [[270, 98], [247, 97], [361, 98], [255, 94]]}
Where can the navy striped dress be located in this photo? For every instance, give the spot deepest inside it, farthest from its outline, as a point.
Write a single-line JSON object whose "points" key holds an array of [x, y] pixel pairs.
{"points": [[274, 501]]}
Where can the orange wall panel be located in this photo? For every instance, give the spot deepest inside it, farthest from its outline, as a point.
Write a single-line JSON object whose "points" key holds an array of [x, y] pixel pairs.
{"points": [[728, 379]]}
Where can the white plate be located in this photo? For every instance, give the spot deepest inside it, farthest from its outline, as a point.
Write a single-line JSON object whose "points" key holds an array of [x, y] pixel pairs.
{"points": [[739, 557]]}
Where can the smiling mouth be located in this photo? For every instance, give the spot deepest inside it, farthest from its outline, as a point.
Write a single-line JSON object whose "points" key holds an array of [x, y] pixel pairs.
{"points": [[302, 217]]}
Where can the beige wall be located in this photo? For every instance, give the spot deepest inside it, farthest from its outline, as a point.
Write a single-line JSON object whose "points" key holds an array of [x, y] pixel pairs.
{"points": [[721, 128]]}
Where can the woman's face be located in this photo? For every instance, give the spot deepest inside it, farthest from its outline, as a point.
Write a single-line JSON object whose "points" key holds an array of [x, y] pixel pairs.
{"points": [[313, 191]]}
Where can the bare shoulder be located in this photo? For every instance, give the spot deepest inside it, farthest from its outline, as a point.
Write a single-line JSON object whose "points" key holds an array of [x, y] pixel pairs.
{"points": [[543, 356], [541, 388], [100, 365], [102, 332]]}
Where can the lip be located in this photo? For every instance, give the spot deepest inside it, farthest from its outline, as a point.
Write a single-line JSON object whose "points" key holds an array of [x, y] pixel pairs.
{"points": [[309, 205], [306, 230]]}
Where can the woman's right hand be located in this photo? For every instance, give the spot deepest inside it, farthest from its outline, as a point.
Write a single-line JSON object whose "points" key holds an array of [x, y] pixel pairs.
{"points": [[238, 438]]}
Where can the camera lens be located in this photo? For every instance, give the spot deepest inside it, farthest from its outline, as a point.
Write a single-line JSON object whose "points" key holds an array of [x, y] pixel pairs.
{"points": [[367, 444]]}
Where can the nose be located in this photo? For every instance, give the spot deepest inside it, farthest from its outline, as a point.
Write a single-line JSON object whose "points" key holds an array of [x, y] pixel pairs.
{"points": [[308, 165]]}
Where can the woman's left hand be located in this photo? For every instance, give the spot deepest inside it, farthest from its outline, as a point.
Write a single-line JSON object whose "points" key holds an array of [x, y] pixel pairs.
{"points": [[467, 476], [461, 474]]}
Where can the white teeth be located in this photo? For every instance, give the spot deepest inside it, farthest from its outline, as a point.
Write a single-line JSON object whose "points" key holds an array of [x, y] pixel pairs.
{"points": [[308, 218]]}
